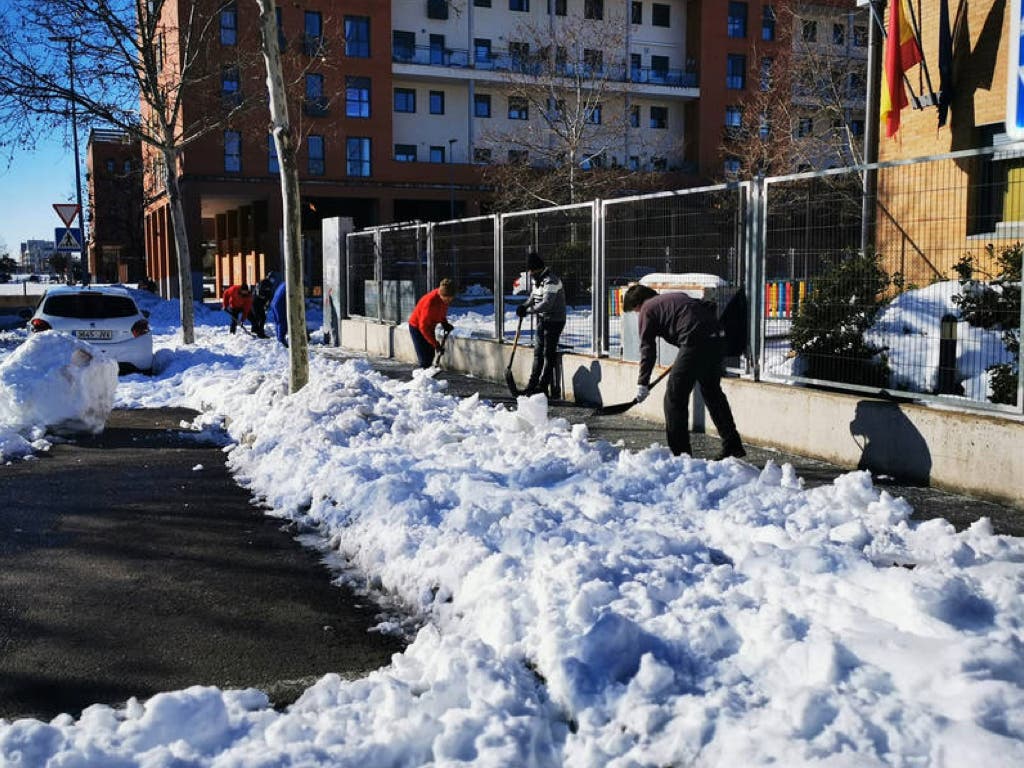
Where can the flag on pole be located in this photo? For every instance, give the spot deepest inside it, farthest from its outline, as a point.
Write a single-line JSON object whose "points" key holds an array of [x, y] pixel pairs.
{"points": [[901, 53], [945, 62]]}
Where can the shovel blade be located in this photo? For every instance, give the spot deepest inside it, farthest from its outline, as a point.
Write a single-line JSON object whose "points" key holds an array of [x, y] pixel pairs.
{"points": [[511, 382], [612, 410]]}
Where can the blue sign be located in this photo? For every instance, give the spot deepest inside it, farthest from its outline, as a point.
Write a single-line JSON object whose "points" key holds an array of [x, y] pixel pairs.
{"points": [[67, 239], [1015, 76]]}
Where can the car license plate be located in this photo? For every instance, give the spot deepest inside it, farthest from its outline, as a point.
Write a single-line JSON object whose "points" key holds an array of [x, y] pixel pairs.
{"points": [[94, 335]]}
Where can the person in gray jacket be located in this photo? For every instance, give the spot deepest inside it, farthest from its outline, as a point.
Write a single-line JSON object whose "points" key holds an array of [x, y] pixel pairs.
{"points": [[547, 302]]}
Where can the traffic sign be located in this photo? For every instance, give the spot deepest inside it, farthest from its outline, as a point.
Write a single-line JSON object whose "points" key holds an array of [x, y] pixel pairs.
{"points": [[68, 212], [67, 239]]}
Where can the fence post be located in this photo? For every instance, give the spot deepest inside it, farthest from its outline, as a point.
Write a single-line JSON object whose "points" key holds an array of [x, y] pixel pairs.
{"points": [[431, 257], [499, 294], [598, 299], [756, 221], [378, 272]]}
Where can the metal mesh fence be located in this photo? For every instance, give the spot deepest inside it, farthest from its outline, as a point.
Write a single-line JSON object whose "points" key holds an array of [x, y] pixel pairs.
{"points": [[873, 276], [563, 238], [901, 277], [464, 251]]}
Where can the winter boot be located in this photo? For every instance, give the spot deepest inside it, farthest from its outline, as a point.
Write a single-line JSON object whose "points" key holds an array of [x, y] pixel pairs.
{"points": [[732, 447]]}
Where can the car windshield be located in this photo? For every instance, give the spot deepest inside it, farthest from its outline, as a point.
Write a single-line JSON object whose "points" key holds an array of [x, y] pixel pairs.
{"points": [[90, 306]]}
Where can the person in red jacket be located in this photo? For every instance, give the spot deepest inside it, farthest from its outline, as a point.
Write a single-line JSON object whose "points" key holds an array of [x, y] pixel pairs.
{"points": [[430, 311], [237, 302]]}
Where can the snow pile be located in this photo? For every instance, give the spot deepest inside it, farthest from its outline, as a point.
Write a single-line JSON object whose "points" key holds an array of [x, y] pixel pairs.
{"points": [[53, 382], [579, 605]]}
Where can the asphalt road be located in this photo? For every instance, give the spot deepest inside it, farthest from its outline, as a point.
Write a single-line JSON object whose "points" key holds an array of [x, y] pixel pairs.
{"points": [[125, 571]]}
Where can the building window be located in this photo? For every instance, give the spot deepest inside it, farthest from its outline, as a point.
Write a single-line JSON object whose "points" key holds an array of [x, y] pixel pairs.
{"points": [[560, 9], [518, 108], [519, 5], [860, 36], [660, 15], [736, 72], [838, 34], [482, 155], [437, 102], [127, 167], [634, 116], [229, 25], [315, 154], [768, 23], [405, 100], [230, 87], [732, 167], [594, 115], [357, 156], [405, 153], [316, 104], [232, 151], [809, 30], [659, 68], [593, 9], [437, 9], [438, 51], [313, 30], [734, 119], [858, 85], [273, 166], [659, 164], [737, 25], [481, 105], [636, 13], [805, 126], [519, 53], [357, 37], [659, 117], [437, 154], [633, 163], [766, 73], [482, 50], [357, 97], [518, 156], [764, 128], [403, 45], [111, 166], [857, 127], [593, 60]]}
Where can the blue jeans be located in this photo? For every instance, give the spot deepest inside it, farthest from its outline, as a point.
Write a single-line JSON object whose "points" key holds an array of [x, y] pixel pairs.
{"points": [[424, 349]]}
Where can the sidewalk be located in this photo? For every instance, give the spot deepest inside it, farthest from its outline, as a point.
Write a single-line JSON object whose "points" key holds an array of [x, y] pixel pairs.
{"points": [[637, 433]]}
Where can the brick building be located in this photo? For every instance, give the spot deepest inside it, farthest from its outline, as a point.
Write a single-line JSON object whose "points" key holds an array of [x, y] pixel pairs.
{"points": [[115, 249], [397, 103]]}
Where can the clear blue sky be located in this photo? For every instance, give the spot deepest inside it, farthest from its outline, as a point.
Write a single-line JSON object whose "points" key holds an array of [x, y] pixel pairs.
{"points": [[30, 187]]}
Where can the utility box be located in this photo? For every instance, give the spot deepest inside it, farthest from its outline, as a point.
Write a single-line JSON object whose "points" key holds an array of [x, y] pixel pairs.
{"points": [[696, 284]]}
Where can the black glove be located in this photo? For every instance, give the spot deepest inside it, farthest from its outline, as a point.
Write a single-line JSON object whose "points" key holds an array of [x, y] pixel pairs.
{"points": [[447, 326], [521, 310]]}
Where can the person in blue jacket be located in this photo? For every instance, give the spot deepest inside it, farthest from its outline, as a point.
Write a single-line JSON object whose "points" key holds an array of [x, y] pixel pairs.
{"points": [[279, 313]]}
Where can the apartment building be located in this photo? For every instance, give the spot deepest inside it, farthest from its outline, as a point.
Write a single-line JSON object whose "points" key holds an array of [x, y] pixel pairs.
{"points": [[402, 105], [115, 251]]}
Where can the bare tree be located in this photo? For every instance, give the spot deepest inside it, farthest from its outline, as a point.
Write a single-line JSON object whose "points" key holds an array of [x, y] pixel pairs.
{"points": [[134, 64], [574, 126], [808, 95], [285, 142]]}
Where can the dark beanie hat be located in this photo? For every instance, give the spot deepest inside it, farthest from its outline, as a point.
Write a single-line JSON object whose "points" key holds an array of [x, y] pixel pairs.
{"points": [[533, 261]]}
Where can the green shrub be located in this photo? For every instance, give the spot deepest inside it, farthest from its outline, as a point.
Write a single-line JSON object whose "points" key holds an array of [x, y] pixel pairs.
{"points": [[995, 304], [828, 332]]}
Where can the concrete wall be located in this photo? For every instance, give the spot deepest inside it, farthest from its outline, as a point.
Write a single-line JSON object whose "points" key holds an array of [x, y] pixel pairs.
{"points": [[967, 453]]}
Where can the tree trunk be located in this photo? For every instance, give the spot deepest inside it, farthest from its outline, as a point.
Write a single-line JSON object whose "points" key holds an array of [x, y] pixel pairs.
{"points": [[284, 142], [181, 248]]}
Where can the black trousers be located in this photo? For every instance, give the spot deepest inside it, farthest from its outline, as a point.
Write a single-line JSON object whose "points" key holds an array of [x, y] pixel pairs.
{"points": [[698, 364], [424, 349], [545, 358]]}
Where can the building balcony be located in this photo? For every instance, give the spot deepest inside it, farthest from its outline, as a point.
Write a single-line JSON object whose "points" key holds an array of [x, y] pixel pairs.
{"points": [[454, 62]]}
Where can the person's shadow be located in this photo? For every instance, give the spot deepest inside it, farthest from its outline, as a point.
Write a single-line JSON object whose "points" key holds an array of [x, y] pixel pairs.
{"points": [[586, 385], [891, 443]]}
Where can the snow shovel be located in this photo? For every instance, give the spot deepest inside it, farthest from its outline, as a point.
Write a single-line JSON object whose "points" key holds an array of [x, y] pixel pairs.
{"points": [[439, 352], [508, 371], [612, 410]]}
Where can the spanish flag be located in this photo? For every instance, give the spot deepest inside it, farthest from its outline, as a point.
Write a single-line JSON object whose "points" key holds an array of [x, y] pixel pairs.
{"points": [[901, 53]]}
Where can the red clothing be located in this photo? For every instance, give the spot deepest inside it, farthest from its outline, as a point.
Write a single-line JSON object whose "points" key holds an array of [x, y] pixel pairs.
{"points": [[233, 301], [429, 311]]}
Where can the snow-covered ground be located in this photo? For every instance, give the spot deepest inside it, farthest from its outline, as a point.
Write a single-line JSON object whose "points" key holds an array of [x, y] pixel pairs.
{"points": [[579, 605]]}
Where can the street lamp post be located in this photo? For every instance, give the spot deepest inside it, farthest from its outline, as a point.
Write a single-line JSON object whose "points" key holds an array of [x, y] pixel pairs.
{"points": [[451, 178], [69, 41]]}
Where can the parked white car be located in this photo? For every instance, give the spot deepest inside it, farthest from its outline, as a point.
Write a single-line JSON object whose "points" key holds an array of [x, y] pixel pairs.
{"points": [[105, 316]]}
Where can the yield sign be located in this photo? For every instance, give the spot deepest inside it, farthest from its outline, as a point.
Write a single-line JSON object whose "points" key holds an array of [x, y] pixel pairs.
{"points": [[66, 211]]}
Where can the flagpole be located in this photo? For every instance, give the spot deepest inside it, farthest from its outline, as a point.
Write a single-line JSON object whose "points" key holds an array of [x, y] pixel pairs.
{"points": [[869, 181]]}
